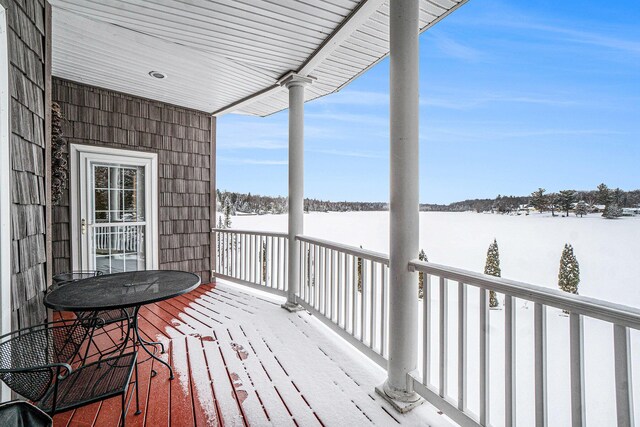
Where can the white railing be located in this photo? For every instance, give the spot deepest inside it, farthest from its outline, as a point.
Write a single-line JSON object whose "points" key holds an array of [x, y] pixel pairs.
{"points": [[446, 280], [254, 258], [347, 287]]}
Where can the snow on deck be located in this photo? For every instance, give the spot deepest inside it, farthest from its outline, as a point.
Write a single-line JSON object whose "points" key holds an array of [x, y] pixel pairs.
{"points": [[240, 359]]}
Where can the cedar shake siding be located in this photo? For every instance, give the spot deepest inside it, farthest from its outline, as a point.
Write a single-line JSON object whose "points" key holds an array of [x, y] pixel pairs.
{"points": [[182, 140], [27, 76]]}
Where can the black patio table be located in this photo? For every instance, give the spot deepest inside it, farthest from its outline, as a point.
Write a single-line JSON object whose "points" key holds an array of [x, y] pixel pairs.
{"points": [[124, 290]]}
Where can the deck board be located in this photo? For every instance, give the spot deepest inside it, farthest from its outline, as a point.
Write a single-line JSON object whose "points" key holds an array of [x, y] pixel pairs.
{"points": [[240, 360]]}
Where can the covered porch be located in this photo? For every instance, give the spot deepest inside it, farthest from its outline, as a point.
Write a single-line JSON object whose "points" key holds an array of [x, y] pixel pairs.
{"points": [[239, 359], [139, 89]]}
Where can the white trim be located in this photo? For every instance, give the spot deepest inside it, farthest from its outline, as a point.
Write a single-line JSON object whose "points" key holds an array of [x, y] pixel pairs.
{"points": [[5, 181], [81, 155], [5, 194]]}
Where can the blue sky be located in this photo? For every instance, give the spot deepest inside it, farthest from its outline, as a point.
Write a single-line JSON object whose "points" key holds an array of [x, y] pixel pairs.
{"points": [[514, 95]]}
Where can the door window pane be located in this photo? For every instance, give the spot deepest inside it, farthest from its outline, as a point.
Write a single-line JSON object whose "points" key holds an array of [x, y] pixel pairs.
{"points": [[119, 248], [118, 193]]}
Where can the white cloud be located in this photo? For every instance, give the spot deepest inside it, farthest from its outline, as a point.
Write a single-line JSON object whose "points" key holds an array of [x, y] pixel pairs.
{"points": [[458, 100], [247, 161], [453, 48], [347, 153], [354, 97]]}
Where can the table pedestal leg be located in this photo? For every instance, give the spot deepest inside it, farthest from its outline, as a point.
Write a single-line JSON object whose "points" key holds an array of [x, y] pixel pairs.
{"points": [[143, 344]]}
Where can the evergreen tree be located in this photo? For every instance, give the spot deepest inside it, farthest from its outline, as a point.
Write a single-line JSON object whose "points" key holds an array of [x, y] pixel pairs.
{"points": [[226, 209], [553, 203], [422, 256], [539, 200], [566, 198], [492, 268], [264, 262], [612, 211], [569, 273], [617, 196], [603, 194], [360, 273], [581, 209]]}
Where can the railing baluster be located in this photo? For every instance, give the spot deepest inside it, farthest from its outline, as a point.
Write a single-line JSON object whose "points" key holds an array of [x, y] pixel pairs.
{"points": [[341, 315], [224, 250], [306, 272], [540, 371], [624, 389], [363, 298], [244, 252], [426, 332], [354, 296], [509, 361], [230, 236], [443, 337], [316, 277], [235, 271], [254, 260], [372, 305], [576, 352], [383, 310], [333, 285], [484, 358], [286, 270], [270, 260], [462, 346], [325, 282], [274, 263], [346, 298]]}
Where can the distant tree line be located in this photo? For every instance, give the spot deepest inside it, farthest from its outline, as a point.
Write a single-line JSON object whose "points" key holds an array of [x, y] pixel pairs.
{"points": [[255, 204], [581, 202]]}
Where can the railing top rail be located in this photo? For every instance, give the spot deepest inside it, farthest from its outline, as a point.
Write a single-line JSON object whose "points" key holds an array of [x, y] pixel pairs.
{"points": [[249, 232], [591, 307], [351, 250]]}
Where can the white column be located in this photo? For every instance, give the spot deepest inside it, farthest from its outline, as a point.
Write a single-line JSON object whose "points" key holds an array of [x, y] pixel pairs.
{"points": [[295, 84], [404, 208]]}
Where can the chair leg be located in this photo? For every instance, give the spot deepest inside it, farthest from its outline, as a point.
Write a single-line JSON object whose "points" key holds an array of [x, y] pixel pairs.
{"points": [[138, 411], [123, 415]]}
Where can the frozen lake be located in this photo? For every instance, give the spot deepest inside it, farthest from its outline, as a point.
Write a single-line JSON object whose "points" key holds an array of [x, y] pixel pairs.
{"points": [[530, 247]]}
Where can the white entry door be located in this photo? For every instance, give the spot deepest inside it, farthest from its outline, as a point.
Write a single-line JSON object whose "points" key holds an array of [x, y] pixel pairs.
{"points": [[117, 221]]}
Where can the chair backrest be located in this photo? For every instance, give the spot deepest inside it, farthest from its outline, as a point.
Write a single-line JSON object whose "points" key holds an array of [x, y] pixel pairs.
{"points": [[27, 352], [73, 276]]}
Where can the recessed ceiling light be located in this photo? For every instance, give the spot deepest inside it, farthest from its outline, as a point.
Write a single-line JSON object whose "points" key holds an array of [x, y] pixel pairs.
{"points": [[157, 74]]}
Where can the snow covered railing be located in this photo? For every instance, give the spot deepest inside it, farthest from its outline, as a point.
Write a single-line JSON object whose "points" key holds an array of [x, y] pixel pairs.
{"points": [[254, 258], [348, 288], [441, 280]]}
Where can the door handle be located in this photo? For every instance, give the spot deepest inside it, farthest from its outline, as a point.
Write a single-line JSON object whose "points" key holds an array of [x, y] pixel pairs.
{"points": [[83, 226]]}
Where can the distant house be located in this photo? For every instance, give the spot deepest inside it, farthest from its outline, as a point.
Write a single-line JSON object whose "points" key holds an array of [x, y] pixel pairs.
{"points": [[631, 211]]}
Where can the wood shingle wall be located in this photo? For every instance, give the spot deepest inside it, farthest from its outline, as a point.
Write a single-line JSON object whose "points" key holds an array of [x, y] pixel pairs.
{"points": [[26, 39], [182, 140]]}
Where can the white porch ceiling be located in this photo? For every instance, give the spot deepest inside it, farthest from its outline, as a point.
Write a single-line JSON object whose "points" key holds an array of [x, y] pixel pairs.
{"points": [[223, 55]]}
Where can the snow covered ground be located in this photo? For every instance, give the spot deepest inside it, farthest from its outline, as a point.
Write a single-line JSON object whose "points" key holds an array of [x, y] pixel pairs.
{"points": [[530, 247]]}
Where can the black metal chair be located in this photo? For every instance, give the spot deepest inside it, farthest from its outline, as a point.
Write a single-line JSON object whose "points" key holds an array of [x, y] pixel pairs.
{"points": [[19, 413], [37, 363], [109, 317]]}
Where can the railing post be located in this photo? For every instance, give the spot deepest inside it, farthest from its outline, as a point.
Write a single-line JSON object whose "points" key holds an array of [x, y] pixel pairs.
{"points": [[404, 207], [624, 389], [295, 84]]}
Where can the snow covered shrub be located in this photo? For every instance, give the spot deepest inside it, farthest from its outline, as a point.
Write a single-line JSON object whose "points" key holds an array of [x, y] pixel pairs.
{"points": [[492, 268]]}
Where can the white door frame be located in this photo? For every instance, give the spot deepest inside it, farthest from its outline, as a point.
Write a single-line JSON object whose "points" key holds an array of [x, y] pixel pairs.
{"points": [[5, 185], [81, 155], [5, 180]]}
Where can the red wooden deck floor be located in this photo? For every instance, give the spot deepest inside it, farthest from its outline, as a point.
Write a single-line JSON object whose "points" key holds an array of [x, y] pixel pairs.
{"points": [[240, 360]]}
